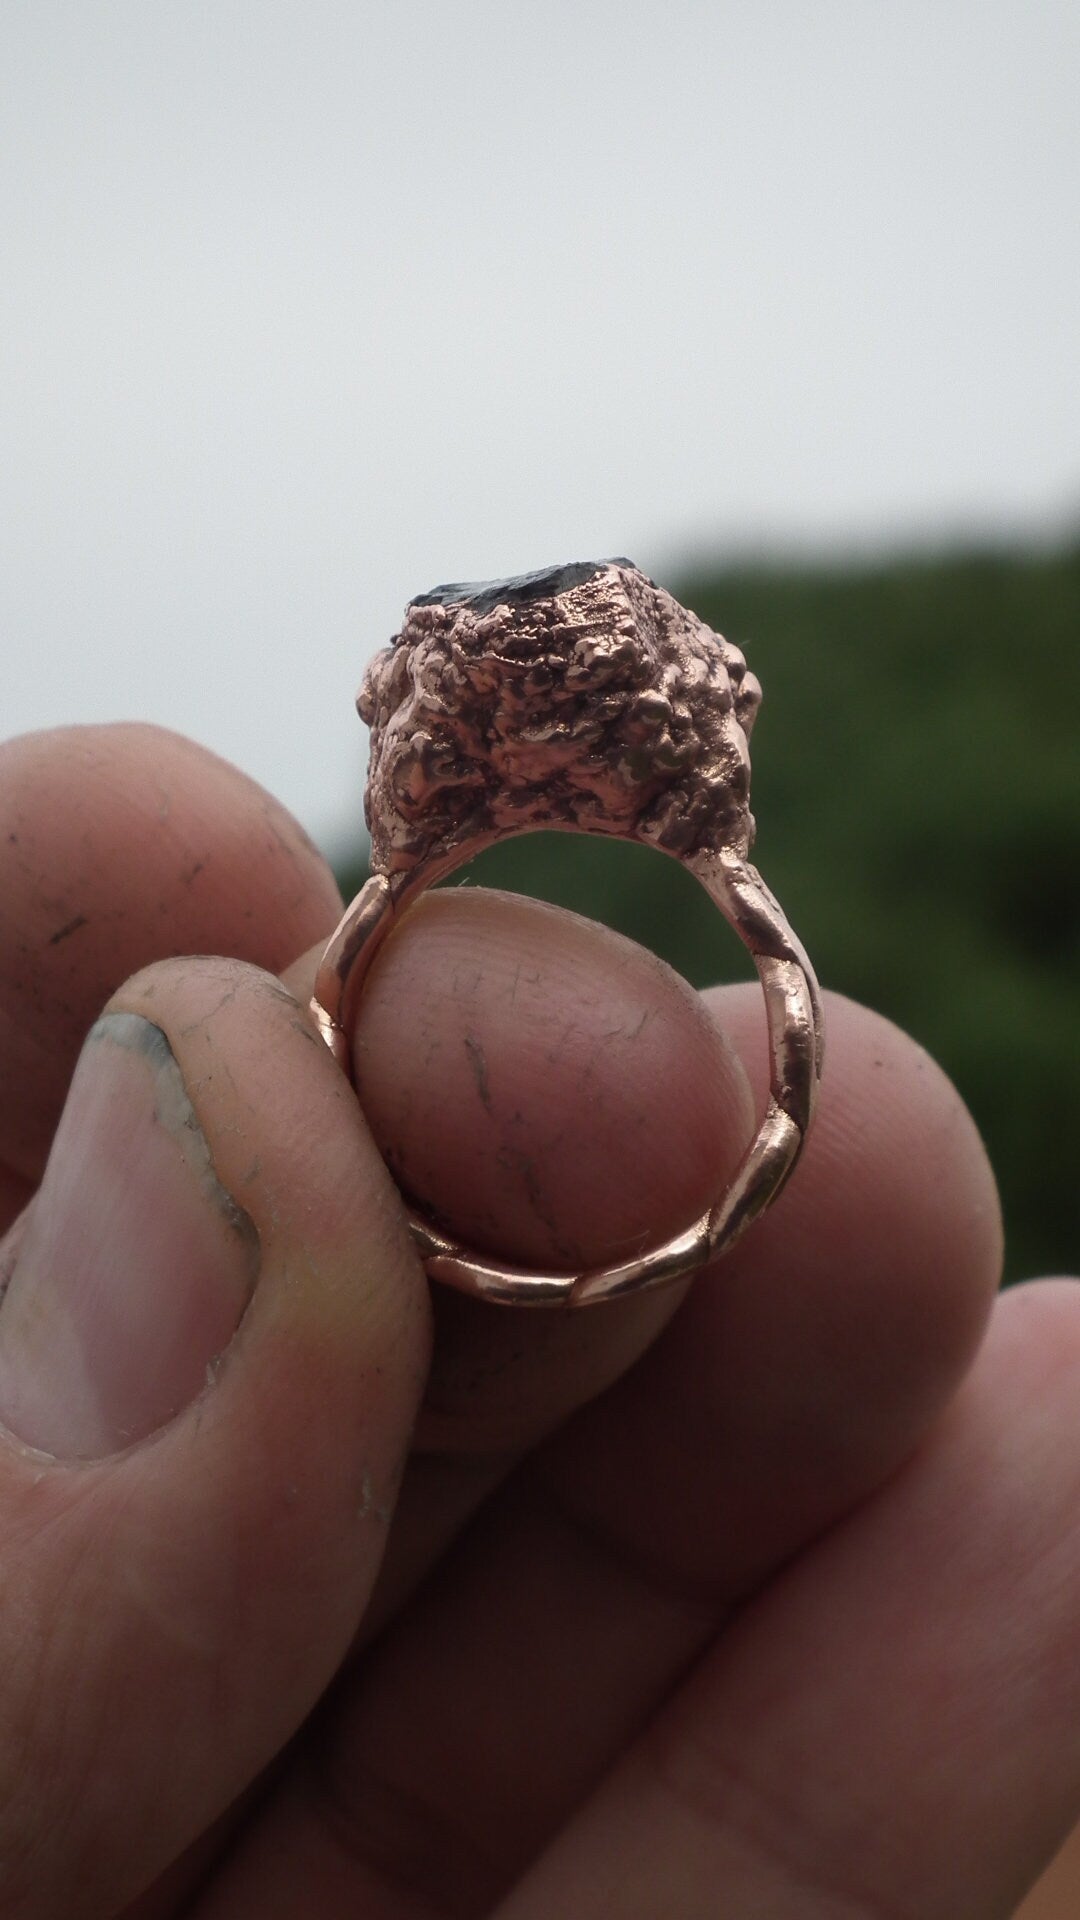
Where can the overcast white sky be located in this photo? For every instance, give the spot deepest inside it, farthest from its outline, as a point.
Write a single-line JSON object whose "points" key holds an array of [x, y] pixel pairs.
{"points": [[306, 306]]}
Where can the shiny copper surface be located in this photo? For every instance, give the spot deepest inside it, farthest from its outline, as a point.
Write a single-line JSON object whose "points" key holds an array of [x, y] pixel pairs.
{"points": [[585, 699]]}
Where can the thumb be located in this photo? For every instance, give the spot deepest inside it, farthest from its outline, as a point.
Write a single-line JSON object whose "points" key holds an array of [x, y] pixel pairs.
{"points": [[213, 1337]]}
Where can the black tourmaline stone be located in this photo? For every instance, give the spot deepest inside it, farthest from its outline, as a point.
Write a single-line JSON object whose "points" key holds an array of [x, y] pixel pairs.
{"points": [[485, 595]]}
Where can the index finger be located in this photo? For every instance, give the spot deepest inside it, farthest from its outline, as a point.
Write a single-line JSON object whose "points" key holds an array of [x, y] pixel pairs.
{"points": [[121, 845]]}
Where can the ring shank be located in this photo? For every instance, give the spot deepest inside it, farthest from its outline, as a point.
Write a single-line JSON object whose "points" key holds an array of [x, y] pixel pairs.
{"points": [[793, 1014]]}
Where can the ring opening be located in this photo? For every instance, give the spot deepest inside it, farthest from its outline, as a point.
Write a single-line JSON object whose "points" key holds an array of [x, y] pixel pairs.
{"points": [[640, 892]]}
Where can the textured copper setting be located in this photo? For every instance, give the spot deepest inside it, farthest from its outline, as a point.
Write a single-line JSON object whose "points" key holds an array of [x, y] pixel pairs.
{"points": [[581, 698]]}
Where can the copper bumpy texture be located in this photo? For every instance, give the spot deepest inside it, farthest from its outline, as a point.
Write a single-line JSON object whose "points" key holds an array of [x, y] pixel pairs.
{"points": [[581, 698]]}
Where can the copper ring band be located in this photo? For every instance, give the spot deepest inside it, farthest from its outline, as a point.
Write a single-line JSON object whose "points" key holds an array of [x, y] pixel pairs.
{"points": [[582, 698]]}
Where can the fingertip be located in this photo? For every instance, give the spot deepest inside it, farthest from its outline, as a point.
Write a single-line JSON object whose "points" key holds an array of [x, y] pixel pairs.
{"points": [[894, 1189], [555, 1095], [283, 1125], [320, 1386], [546, 1088]]}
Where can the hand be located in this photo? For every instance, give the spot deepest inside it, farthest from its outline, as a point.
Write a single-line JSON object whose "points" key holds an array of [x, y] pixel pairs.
{"points": [[779, 1620]]}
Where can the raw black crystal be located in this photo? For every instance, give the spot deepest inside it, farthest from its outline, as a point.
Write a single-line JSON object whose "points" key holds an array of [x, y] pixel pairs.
{"points": [[485, 595]]}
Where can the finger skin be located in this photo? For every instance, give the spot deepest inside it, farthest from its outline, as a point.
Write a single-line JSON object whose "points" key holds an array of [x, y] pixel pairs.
{"points": [[171, 1613], [814, 1355], [808, 1362], [121, 845], [545, 1087], [894, 1728], [552, 1091], [581, 1595]]}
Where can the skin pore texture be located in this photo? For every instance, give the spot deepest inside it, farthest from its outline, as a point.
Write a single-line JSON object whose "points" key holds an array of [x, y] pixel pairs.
{"points": [[757, 1597]]}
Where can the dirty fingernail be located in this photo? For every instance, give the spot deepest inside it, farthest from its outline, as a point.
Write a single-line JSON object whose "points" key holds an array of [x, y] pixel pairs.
{"points": [[132, 1267]]}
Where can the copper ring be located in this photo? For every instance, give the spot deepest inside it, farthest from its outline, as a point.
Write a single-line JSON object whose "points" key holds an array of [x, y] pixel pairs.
{"points": [[582, 698]]}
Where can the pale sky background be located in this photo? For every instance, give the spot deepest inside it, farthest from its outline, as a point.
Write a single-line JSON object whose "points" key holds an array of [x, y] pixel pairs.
{"points": [[306, 307]]}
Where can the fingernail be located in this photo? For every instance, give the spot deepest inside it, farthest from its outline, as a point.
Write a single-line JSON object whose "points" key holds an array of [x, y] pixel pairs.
{"points": [[132, 1267]]}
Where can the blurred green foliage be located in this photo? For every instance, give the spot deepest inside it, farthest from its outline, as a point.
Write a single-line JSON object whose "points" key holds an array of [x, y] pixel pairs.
{"points": [[917, 788]]}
